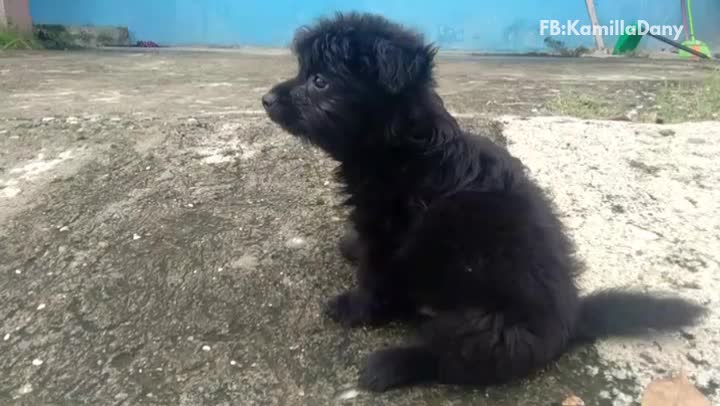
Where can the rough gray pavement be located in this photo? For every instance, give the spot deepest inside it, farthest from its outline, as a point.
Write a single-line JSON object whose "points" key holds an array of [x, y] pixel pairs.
{"points": [[162, 243]]}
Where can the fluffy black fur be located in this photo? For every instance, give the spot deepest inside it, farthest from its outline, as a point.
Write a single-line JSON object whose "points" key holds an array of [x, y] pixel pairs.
{"points": [[442, 219]]}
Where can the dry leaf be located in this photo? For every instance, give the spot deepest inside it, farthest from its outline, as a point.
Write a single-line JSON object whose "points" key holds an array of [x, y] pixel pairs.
{"points": [[677, 391], [573, 401]]}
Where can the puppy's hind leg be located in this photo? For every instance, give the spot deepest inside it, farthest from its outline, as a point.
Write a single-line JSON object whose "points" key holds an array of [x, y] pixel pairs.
{"points": [[473, 348]]}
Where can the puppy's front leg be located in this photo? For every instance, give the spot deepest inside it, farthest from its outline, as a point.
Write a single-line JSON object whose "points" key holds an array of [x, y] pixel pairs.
{"points": [[378, 299], [350, 245]]}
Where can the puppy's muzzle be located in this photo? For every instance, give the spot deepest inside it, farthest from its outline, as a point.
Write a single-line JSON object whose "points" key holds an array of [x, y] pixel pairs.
{"points": [[269, 100]]}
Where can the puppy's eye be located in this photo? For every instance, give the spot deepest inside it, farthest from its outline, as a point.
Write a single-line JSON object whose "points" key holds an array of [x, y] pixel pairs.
{"points": [[319, 82]]}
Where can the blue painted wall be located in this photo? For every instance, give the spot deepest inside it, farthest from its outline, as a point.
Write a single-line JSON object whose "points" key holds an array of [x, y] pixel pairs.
{"points": [[499, 25]]}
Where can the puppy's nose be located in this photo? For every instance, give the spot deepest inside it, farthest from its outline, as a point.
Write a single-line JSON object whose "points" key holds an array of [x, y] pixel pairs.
{"points": [[269, 99]]}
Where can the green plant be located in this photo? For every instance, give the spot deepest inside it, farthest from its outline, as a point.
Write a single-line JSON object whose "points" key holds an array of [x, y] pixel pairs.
{"points": [[574, 104], [11, 40], [690, 101]]}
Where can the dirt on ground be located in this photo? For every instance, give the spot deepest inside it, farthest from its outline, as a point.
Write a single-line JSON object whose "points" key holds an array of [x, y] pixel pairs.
{"points": [[163, 243]]}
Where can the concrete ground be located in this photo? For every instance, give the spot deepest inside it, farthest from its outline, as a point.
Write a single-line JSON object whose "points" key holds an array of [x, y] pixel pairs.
{"points": [[162, 243]]}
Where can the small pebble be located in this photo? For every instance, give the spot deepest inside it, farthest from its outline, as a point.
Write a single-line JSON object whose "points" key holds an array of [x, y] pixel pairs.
{"points": [[348, 394], [696, 356], [6, 337], [37, 362], [573, 401], [18, 272], [190, 205], [593, 371], [622, 399], [41, 306], [620, 374], [64, 228], [647, 357], [206, 348], [233, 362], [136, 237], [48, 119], [25, 389]]}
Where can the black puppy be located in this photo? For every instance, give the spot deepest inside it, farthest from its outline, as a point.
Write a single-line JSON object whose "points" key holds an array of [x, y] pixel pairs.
{"points": [[444, 219]]}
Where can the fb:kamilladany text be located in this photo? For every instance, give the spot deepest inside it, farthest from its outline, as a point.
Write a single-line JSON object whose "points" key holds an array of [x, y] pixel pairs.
{"points": [[616, 27]]}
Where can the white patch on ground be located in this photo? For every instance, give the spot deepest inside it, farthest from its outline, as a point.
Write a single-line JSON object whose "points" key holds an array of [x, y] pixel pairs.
{"points": [[111, 96], [30, 95], [219, 84], [37, 362], [224, 147], [8, 189], [243, 112], [644, 210], [37, 170], [40, 165]]}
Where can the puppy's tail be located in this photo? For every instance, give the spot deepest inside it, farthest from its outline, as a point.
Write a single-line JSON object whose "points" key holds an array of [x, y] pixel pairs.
{"points": [[625, 314]]}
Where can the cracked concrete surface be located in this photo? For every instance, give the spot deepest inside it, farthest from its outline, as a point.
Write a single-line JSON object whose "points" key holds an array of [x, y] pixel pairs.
{"points": [[162, 243]]}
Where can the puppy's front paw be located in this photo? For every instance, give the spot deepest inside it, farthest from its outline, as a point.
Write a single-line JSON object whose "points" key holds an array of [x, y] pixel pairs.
{"points": [[351, 309], [396, 367]]}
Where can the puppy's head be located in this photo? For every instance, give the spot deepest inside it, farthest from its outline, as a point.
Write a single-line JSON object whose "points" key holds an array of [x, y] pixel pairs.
{"points": [[354, 72]]}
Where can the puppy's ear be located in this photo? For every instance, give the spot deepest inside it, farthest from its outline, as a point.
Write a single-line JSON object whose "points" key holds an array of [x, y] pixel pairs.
{"points": [[399, 67]]}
